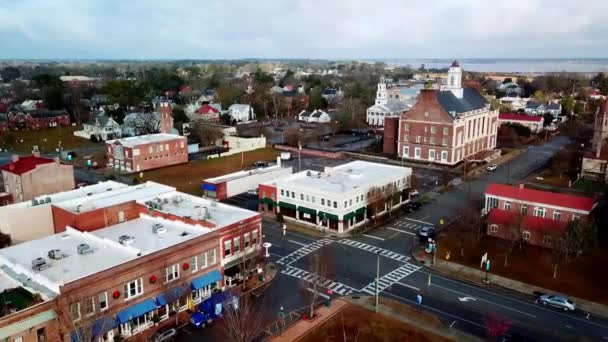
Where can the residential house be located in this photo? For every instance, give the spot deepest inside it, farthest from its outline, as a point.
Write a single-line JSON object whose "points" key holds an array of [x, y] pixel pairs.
{"points": [[510, 88], [241, 112], [100, 99], [538, 217], [102, 126], [208, 112], [448, 125], [28, 177], [37, 119], [554, 108], [535, 108], [331, 94], [516, 103], [534, 123], [318, 116]]}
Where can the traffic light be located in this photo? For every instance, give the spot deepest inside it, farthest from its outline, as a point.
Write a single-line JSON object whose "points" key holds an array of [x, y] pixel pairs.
{"points": [[69, 157], [89, 163]]}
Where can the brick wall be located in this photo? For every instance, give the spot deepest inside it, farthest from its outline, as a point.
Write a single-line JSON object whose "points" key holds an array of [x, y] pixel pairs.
{"points": [[94, 219], [51, 328]]}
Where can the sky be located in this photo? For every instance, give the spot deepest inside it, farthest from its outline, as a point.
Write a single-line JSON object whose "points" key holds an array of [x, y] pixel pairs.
{"points": [[326, 29]]}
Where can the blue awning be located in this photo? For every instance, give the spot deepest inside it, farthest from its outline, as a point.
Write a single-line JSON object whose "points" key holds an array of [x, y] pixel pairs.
{"points": [[209, 278], [136, 310], [175, 292], [103, 325], [209, 187]]}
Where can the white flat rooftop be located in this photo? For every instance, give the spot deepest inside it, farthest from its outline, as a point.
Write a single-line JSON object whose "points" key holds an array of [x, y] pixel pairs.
{"points": [[243, 174], [109, 198], [184, 205], [89, 190], [145, 139], [343, 178], [108, 252]]}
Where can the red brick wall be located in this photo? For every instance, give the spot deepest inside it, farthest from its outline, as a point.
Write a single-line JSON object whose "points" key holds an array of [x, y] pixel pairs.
{"points": [[565, 215], [142, 209], [94, 219], [176, 154], [267, 191], [51, 328], [391, 126]]}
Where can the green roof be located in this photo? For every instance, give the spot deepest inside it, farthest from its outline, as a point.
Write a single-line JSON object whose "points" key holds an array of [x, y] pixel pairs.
{"points": [[28, 323]]}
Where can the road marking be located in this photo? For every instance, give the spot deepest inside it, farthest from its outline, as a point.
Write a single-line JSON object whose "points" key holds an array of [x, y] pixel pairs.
{"points": [[400, 231], [483, 300], [298, 243], [318, 293], [373, 237], [419, 221], [276, 255], [436, 310], [451, 325], [466, 299], [275, 245], [408, 285], [280, 230]]}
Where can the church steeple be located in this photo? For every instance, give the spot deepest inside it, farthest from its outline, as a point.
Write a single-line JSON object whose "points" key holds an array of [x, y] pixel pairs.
{"points": [[455, 79], [381, 92]]}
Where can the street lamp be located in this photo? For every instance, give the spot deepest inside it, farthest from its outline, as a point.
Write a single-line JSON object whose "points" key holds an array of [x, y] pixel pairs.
{"points": [[377, 277]]}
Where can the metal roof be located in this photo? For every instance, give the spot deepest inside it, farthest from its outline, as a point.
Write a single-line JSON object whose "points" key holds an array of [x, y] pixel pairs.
{"points": [[471, 100], [28, 323]]}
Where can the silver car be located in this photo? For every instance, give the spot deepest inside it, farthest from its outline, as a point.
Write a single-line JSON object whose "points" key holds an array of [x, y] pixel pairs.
{"points": [[167, 335], [561, 302]]}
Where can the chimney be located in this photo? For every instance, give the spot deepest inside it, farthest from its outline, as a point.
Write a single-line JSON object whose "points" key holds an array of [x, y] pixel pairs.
{"points": [[428, 95], [521, 185], [15, 157]]}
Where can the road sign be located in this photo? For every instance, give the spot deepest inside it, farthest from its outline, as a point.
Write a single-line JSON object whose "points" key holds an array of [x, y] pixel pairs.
{"points": [[483, 259]]}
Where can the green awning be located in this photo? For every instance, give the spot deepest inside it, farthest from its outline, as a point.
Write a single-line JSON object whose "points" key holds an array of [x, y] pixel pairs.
{"points": [[360, 211], [267, 200], [349, 216], [307, 210], [287, 205], [323, 215]]}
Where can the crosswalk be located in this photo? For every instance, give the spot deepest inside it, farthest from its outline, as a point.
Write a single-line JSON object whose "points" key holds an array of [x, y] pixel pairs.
{"points": [[390, 278], [373, 249], [336, 287], [299, 253], [406, 225]]}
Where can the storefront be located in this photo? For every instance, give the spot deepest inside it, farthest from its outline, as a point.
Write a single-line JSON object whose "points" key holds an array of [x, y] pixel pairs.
{"points": [[203, 287], [136, 318]]}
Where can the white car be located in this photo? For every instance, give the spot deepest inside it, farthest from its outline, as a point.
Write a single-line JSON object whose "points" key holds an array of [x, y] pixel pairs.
{"points": [[491, 167], [167, 335], [253, 192]]}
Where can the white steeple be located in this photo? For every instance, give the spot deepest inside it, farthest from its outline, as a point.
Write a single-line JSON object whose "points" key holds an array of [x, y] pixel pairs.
{"points": [[455, 80], [381, 93]]}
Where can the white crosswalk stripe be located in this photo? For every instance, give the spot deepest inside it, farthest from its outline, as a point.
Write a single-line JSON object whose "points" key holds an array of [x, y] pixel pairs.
{"points": [[299, 253], [373, 249], [333, 285], [390, 278]]}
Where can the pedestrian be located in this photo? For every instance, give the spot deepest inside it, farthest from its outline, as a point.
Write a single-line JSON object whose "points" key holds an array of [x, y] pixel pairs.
{"points": [[282, 319]]}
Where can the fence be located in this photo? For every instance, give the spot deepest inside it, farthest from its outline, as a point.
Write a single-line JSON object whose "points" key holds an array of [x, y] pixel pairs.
{"points": [[310, 152], [277, 328]]}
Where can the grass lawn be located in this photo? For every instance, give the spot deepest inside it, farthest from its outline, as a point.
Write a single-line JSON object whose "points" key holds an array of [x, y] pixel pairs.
{"points": [[360, 324], [589, 186], [550, 179], [578, 277], [46, 139], [189, 177]]}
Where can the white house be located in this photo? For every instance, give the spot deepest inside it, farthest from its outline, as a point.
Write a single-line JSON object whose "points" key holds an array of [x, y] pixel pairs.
{"points": [[515, 102], [314, 116], [241, 112], [386, 106], [535, 108], [554, 108], [102, 126]]}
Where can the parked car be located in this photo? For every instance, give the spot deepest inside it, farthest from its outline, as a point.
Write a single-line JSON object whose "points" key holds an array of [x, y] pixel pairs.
{"points": [[260, 164], [253, 192], [285, 155], [410, 207], [201, 319], [167, 335], [414, 193], [427, 232], [558, 301], [491, 167]]}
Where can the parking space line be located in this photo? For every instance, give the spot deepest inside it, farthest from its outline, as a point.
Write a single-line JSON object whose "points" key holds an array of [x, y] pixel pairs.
{"points": [[373, 237], [408, 286], [276, 255], [419, 221], [400, 231], [298, 243]]}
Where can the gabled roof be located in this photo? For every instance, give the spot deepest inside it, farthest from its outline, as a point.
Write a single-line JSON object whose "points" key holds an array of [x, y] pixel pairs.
{"points": [[317, 113], [542, 197], [533, 105], [471, 100], [529, 222], [519, 117], [554, 105], [207, 109], [25, 164], [305, 113]]}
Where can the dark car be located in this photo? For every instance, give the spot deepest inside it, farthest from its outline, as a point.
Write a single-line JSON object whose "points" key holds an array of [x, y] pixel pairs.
{"points": [[260, 164], [201, 319], [410, 207], [427, 232]]}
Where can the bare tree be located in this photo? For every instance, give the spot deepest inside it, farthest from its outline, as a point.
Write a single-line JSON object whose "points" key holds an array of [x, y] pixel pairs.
{"points": [[466, 227], [310, 289], [243, 321], [559, 249], [144, 123], [375, 201], [514, 237], [390, 195], [208, 135], [176, 294], [79, 320]]}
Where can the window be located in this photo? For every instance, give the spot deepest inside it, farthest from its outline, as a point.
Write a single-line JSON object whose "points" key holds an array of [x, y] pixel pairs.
{"points": [[556, 215], [103, 301], [524, 209], [204, 260], [540, 212], [426, 129], [134, 288], [433, 129], [293, 194], [350, 202], [432, 154], [525, 235], [89, 306], [322, 201], [444, 142], [406, 151], [313, 199], [135, 152], [150, 149], [345, 204], [507, 205], [417, 152], [493, 228], [328, 203], [75, 311], [247, 239], [194, 264], [492, 202], [406, 138], [254, 237], [237, 244], [406, 127], [576, 217], [301, 197], [432, 141], [547, 240], [307, 198], [444, 155], [227, 247], [335, 204], [160, 147], [417, 138], [212, 256], [446, 130], [171, 273]]}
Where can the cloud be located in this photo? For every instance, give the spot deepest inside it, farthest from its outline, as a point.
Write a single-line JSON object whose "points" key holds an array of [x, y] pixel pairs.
{"points": [[302, 29]]}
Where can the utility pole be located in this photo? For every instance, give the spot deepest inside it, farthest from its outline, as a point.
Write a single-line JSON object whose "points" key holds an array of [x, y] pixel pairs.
{"points": [[377, 277]]}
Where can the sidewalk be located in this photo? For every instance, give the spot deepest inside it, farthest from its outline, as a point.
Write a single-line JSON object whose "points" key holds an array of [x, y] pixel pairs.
{"points": [[477, 276], [303, 327]]}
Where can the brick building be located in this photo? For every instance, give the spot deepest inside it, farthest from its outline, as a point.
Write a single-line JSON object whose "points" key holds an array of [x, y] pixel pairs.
{"points": [[449, 125], [540, 215], [28, 177], [534, 123], [147, 152], [37, 119]]}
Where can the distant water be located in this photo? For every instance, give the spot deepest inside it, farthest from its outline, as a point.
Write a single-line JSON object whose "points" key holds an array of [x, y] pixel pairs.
{"points": [[509, 65]]}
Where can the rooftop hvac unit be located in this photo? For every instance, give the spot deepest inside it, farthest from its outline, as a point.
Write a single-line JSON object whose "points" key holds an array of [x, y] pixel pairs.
{"points": [[126, 240], [165, 200], [84, 248], [55, 254], [40, 264], [47, 200], [158, 228], [308, 173], [34, 202]]}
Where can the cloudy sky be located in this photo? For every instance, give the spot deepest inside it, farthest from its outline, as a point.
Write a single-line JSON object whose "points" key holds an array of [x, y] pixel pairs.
{"points": [[209, 29]]}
